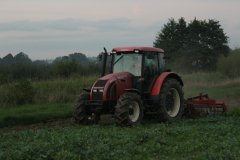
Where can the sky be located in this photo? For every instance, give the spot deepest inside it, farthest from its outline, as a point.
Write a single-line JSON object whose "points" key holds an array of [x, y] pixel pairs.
{"points": [[45, 29]]}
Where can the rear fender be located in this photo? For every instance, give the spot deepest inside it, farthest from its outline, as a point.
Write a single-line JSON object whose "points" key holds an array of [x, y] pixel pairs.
{"points": [[160, 80]]}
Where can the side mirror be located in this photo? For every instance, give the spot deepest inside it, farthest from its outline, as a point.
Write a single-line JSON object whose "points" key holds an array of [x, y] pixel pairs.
{"points": [[100, 56]]}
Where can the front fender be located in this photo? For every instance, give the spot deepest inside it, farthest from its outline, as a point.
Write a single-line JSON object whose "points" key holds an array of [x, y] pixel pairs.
{"points": [[160, 80]]}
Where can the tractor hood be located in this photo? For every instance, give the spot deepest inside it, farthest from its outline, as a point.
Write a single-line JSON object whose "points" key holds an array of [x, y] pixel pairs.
{"points": [[111, 86], [117, 76]]}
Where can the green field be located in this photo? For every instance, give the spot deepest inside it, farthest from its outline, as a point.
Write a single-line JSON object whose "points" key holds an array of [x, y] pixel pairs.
{"points": [[214, 137], [206, 138]]}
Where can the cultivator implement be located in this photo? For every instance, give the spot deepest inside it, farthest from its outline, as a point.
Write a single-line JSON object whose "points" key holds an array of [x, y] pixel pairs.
{"points": [[203, 105]]}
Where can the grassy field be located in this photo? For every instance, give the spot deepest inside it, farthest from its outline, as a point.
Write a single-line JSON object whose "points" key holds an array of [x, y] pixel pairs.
{"points": [[206, 138], [215, 137]]}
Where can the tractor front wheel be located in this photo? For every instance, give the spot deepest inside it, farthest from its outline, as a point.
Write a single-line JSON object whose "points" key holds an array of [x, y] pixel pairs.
{"points": [[129, 109], [80, 115], [171, 101]]}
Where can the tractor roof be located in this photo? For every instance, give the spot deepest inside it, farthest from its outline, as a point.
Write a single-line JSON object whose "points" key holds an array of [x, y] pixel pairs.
{"points": [[132, 49]]}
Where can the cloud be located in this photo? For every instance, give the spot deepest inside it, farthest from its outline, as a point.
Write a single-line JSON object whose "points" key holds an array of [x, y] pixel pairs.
{"points": [[65, 25], [48, 39], [46, 29]]}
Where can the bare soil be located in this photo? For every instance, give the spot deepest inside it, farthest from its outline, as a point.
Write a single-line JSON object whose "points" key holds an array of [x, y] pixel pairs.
{"points": [[44, 124]]}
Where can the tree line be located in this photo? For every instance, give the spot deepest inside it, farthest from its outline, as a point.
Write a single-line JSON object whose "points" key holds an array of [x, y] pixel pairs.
{"points": [[20, 66]]}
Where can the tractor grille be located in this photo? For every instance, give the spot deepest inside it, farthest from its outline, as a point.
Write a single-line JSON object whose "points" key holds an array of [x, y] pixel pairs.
{"points": [[100, 83], [97, 95]]}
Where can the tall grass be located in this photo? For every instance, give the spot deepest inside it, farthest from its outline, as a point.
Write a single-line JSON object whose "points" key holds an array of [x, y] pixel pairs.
{"points": [[208, 80], [230, 65], [50, 91], [60, 90]]}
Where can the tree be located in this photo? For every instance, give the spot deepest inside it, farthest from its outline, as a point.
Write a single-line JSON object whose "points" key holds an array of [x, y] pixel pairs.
{"points": [[8, 59], [22, 58], [172, 37], [197, 44]]}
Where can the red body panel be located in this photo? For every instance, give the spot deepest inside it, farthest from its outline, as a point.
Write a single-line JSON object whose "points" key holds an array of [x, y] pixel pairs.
{"points": [[123, 81], [159, 82], [132, 49]]}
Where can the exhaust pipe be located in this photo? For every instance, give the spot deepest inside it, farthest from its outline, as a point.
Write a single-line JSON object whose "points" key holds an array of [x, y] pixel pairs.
{"points": [[105, 54]]}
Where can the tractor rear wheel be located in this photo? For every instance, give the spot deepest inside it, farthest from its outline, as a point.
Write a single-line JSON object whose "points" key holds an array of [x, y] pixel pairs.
{"points": [[81, 115], [129, 109], [171, 101]]}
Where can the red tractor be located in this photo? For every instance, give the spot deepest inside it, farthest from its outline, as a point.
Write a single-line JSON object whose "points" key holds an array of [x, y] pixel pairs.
{"points": [[137, 84]]}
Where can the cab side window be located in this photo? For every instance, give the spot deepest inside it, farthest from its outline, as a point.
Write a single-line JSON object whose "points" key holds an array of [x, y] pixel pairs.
{"points": [[151, 64], [161, 61]]}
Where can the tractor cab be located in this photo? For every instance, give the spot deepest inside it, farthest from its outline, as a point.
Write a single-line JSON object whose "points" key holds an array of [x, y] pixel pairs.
{"points": [[133, 83], [144, 63], [138, 60]]}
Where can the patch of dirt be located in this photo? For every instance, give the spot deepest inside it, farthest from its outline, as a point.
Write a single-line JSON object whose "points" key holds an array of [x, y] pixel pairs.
{"points": [[105, 120], [44, 124]]}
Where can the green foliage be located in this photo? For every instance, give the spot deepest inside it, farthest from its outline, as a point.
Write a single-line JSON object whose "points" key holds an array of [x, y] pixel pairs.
{"points": [[230, 65], [207, 138], [24, 92], [7, 96], [21, 67], [65, 68], [193, 46], [234, 112], [18, 93], [172, 37]]}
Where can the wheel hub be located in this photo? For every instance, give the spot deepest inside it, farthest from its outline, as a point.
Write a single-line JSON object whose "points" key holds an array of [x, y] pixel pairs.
{"points": [[134, 111], [173, 102]]}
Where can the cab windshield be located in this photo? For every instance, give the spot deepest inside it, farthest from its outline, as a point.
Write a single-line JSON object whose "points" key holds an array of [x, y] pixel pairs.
{"points": [[131, 62]]}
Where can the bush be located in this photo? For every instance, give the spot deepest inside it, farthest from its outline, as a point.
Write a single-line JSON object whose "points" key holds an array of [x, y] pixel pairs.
{"points": [[7, 96], [24, 92], [230, 65], [18, 93]]}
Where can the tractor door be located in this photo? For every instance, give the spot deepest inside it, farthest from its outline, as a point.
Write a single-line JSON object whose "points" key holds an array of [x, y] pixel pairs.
{"points": [[150, 70]]}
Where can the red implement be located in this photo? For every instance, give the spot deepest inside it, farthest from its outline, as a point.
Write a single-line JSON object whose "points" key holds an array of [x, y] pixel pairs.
{"points": [[203, 105]]}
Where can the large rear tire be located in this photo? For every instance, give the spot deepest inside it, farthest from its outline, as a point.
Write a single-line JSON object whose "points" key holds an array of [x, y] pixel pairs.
{"points": [[129, 110], [171, 106]]}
